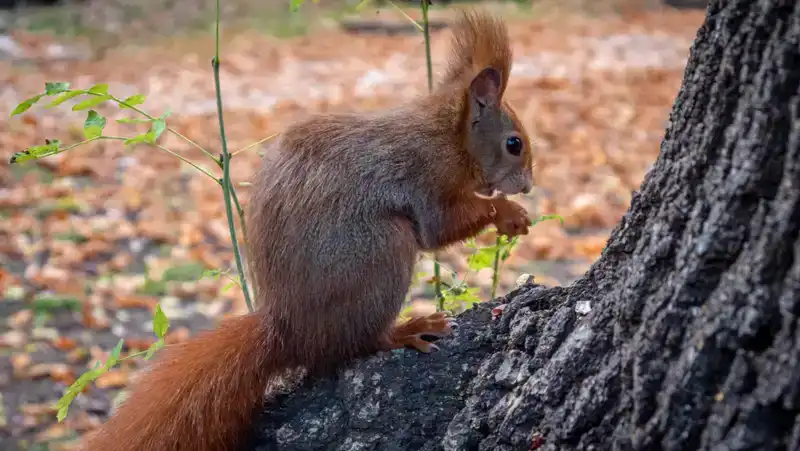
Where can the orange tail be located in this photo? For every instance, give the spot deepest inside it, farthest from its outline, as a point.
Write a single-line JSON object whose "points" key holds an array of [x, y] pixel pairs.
{"points": [[198, 396]]}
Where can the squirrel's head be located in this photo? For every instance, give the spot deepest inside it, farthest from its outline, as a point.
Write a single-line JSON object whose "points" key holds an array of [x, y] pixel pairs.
{"points": [[496, 139]]}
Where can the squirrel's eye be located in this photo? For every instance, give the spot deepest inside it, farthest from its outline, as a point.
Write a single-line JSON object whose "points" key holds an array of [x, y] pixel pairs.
{"points": [[514, 145]]}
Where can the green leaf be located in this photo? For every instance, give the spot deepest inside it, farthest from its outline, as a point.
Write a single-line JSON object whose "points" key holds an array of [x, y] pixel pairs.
{"points": [[469, 296], [52, 88], [100, 88], [63, 97], [158, 127], [32, 153], [362, 4], [49, 303], [26, 105], [63, 404], [294, 5], [142, 138], [93, 126], [133, 120], [75, 389], [160, 322], [506, 250], [114, 357], [405, 311], [153, 348], [547, 217], [186, 272], [481, 259], [131, 101], [166, 114], [460, 297], [92, 102], [211, 273], [228, 286]]}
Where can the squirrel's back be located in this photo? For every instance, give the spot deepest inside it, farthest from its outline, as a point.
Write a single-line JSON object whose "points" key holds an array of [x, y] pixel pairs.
{"points": [[327, 226]]}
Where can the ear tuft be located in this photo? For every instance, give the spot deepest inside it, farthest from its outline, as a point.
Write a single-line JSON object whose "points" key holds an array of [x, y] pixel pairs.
{"points": [[485, 87]]}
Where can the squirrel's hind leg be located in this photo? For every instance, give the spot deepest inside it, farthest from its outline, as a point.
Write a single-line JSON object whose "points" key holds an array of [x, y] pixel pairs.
{"points": [[410, 333]]}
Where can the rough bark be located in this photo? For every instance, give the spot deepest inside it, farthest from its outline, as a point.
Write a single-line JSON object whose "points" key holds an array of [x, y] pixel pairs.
{"points": [[693, 340]]}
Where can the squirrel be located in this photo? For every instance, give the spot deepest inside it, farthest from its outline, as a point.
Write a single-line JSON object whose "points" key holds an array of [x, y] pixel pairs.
{"points": [[339, 210]]}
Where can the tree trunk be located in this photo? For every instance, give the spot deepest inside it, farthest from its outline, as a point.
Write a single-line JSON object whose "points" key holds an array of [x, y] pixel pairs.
{"points": [[693, 340]]}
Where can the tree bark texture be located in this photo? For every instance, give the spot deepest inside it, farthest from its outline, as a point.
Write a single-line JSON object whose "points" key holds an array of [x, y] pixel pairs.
{"points": [[693, 339]]}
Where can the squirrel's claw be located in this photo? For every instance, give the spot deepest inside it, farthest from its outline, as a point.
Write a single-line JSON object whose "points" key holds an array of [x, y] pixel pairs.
{"points": [[411, 332]]}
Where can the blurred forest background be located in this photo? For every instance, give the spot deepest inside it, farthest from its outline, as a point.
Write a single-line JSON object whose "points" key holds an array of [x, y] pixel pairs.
{"points": [[93, 238]]}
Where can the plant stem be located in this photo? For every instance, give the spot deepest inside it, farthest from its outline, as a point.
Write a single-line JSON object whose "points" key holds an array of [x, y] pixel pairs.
{"points": [[399, 9], [227, 186], [122, 138], [496, 266], [437, 270], [169, 129], [240, 210], [427, 34], [254, 144], [178, 156]]}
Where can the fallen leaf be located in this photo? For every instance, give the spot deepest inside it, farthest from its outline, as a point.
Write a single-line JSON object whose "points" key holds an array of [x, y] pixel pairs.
{"points": [[20, 318], [135, 301], [113, 378], [37, 409], [177, 335], [54, 432], [77, 355], [139, 343], [20, 363], [58, 371], [63, 343], [12, 339]]}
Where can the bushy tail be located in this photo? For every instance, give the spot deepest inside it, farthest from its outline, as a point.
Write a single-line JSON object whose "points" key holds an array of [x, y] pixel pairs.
{"points": [[479, 41], [199, 395]]}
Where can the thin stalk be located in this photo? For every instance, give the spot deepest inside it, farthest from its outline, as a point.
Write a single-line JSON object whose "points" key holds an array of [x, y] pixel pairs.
{"points": [[178, 156], [227, 186], [437, 270], [240, 210], [260, 141], [496, 266], [122, 138], [169, 129], [427, 34], [399, 9]]}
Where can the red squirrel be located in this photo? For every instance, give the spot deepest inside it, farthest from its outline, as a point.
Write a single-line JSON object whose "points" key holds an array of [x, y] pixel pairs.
{"points": [[339, 210]]}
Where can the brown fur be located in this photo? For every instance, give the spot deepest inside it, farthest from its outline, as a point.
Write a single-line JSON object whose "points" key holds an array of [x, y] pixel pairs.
{"points": [[479, 40], [340, 209]]}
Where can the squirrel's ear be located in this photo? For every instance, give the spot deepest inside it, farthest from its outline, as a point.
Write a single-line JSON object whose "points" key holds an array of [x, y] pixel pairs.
{"points": [[485, 87]]}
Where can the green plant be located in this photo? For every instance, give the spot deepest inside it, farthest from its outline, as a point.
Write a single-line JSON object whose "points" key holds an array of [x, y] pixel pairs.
{"points": [[160, 328], [93, 127], [94, 124], [458, 295]]}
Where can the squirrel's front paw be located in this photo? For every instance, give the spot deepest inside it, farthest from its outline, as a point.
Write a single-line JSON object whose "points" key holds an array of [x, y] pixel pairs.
{"points": [[511, 218]]}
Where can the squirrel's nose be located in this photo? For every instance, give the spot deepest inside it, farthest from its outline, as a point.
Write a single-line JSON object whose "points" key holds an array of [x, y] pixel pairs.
{"points": [[528, 187]]}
